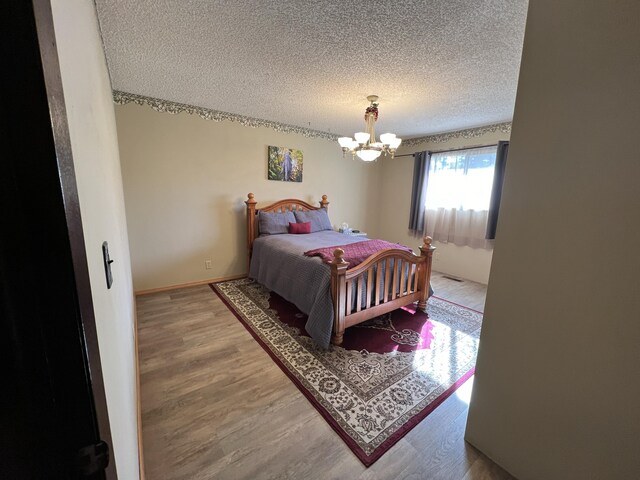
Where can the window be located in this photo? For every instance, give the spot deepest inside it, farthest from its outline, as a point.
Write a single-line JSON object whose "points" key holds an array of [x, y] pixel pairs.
{"points": [[458, 196], [461, 179]]}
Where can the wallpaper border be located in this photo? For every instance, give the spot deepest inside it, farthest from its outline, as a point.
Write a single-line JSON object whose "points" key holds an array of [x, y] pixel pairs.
{"points": [[504, 127], [166, 106]]}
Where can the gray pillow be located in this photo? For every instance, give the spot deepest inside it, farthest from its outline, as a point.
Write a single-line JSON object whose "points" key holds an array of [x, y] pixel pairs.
{"points": [[274, 223], [319, 219]]}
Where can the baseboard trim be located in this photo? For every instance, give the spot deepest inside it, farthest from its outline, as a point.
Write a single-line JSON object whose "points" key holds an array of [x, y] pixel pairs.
{"points": [[189, 284], [138, 397]]}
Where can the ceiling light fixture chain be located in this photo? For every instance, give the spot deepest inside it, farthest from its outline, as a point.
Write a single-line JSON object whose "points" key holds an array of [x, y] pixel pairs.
{"points": [[365, 145]]}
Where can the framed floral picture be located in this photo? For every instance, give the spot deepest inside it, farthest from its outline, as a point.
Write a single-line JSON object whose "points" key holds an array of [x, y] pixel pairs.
{"points": [[284, 164]]}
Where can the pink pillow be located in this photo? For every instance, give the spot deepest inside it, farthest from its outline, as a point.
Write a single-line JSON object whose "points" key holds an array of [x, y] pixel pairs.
{"points": [[300, 227]]}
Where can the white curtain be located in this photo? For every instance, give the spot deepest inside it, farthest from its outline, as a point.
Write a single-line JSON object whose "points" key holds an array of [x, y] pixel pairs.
{"points": [[460, 227], [458, 196]]}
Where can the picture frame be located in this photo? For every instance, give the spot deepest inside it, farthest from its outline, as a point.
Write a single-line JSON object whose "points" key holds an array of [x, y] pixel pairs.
{"points": [[284, 164]]}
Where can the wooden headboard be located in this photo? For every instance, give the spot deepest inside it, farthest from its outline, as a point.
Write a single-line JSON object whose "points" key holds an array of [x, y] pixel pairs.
{"points": [[287, 205]]}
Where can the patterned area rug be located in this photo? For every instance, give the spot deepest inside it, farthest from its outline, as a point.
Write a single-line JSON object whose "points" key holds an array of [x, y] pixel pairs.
{"points": [[388, 375]]}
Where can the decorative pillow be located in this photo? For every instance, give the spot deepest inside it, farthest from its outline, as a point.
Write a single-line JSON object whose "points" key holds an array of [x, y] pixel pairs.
{"points": [[319, 219], [274, 223], [300, 227]]}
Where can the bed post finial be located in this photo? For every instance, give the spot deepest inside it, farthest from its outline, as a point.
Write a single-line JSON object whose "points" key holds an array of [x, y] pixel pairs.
{"points": [[426, 250], [324, 203], [338, 256], [251, 225]]}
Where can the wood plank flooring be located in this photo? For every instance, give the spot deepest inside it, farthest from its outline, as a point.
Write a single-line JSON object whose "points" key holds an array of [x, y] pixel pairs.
{"points": [[215, 406]]}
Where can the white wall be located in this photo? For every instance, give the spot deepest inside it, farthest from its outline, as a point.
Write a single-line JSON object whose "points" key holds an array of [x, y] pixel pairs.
{"points": [[395, 203], [94, 143], [186, 180], [556, 392]]}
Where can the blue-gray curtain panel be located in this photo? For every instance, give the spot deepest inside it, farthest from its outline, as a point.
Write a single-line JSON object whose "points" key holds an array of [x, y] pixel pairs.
{"points": [[421, 164], [496, 190]]}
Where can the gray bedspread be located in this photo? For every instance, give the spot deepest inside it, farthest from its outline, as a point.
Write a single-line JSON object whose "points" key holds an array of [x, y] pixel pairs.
{"points": [[278, 263]]}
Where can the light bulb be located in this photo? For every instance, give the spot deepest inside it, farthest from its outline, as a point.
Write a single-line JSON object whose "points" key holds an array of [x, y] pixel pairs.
{"points": [[387, 138], [368, 155], [395, 143], [362, 137], [345, 141]]}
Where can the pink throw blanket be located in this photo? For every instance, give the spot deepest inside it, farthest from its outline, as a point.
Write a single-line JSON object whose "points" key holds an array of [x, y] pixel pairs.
{"points": [[355, 253]]}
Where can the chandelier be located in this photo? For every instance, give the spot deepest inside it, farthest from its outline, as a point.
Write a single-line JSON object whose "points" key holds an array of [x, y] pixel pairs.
{"points": [[365, 145]]}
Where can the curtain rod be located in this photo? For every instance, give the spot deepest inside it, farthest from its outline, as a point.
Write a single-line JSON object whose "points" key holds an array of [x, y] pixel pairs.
{"points": [[449, 150]]}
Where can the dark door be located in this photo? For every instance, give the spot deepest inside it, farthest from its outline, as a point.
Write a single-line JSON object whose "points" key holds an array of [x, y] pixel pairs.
{"points": [[53, 417]]}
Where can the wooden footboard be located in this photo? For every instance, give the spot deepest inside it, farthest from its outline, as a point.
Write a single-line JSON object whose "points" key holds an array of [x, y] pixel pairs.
{"points": [[387, 280]]}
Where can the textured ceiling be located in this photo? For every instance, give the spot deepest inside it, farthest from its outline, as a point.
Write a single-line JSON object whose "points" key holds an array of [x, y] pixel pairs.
{"points": [[437, 65]]}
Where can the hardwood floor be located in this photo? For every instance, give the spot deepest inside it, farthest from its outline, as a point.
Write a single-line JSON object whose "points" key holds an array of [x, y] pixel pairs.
{"points": [[215, 406], [467, 293]]}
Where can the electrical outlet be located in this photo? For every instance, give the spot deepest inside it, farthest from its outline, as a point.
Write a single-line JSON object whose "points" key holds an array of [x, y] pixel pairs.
{"points": [[207, 264]]}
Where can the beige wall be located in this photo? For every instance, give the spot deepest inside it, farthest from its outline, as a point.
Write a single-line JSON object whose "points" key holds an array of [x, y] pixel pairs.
{"points": [[94, 144], [186, 179], [395, 203], [556, 392]]}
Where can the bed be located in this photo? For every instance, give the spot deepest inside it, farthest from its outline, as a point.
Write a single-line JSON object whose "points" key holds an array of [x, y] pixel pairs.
{"points": [[333, 295]]}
